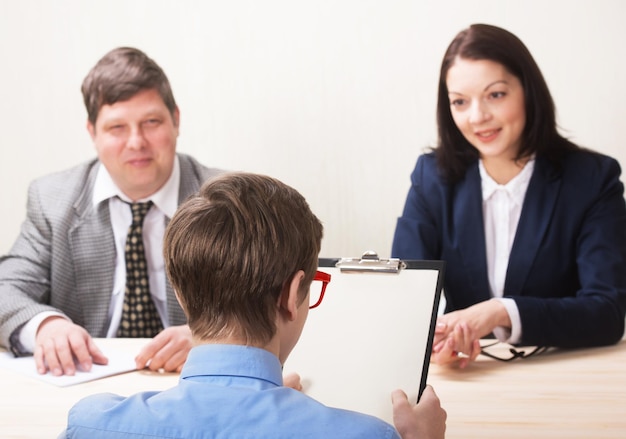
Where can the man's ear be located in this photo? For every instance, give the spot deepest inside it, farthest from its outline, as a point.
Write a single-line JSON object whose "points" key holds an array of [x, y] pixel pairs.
{"points": [[176, 118], [289, 301], [91, 129]]}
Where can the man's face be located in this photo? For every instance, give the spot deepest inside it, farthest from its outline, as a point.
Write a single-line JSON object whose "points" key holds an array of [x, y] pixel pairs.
{"points": [[136, 142]]}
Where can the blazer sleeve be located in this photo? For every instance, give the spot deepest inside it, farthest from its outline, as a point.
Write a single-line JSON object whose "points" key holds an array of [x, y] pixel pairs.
{"points": [[416, 235], [587, 305], [25, 270]]}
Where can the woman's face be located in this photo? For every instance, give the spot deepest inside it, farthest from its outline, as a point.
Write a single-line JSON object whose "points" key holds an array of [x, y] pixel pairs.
{"points": [[487, 105]]}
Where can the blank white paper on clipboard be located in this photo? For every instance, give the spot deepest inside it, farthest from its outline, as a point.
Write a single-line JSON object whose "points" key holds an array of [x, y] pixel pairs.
{"points": [[372, 333]]}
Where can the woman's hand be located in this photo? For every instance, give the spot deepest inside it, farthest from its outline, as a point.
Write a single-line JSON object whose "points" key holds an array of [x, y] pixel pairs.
{"points": [[458, 334]]}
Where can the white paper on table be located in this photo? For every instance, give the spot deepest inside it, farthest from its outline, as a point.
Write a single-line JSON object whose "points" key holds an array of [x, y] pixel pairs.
{"points": [[119, 362]]}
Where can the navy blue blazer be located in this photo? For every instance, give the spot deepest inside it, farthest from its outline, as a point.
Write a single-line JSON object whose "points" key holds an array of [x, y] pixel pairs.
{"points": [[567, 268]]}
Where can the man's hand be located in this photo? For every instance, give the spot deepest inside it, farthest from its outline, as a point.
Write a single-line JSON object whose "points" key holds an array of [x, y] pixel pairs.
{"points": [[61, 346], [167, 351], [426, 420]]}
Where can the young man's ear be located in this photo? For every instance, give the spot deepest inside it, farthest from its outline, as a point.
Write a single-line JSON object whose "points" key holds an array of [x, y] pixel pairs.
{"points": [[290, 300], [179, 301]]}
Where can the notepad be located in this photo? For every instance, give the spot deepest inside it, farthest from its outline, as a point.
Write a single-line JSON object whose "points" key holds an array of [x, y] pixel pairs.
{"points": [[119, 362], [371, 334]]}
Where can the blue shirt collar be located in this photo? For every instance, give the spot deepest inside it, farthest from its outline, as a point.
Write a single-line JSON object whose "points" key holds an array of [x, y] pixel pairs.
{"points": [[232, 360]]}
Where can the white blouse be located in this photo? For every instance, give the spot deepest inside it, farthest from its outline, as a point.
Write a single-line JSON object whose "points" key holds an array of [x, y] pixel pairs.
{"points": [[502, 207]]}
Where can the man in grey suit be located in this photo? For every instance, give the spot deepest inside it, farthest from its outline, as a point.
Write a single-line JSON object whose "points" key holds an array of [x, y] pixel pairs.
{"points": [[63, 281]]}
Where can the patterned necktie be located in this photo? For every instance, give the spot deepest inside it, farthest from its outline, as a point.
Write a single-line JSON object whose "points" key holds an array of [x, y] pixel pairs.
{"points": [[139, 315]]}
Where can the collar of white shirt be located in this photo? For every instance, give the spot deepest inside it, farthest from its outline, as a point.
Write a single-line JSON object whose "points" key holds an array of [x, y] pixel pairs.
{"points": [[516, 188], [165, 199]]}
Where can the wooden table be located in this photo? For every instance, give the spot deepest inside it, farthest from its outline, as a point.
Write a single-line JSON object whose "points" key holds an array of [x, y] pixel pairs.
{"points": [[33, 409], [559, 394]]}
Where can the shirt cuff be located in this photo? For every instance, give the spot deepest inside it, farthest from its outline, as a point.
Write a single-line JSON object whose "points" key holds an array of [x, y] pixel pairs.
{"points": [[506, 335], [28, 334]]}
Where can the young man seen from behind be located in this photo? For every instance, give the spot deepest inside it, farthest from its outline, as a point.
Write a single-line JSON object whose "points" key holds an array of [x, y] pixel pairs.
{"points": [[241, 256]]}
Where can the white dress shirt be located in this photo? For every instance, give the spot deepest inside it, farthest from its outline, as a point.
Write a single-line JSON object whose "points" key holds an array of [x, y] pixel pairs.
{"points": [[502, 207], [165, 204]]}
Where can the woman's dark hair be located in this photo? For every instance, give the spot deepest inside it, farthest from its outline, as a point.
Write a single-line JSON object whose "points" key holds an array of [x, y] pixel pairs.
{"points": [[540, 136]]}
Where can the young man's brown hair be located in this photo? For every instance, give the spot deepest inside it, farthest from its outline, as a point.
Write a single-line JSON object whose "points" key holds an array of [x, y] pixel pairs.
{"points": [[232, 249]]}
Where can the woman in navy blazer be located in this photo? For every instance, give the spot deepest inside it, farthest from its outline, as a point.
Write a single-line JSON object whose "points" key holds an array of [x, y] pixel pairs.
{"points": [[531, 226]]}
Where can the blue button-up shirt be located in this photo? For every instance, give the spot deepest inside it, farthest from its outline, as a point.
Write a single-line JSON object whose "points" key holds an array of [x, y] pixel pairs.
{"points": [[225, 391]]}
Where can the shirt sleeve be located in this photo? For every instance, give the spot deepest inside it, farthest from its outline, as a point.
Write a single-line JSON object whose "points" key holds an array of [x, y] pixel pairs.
{"points": [[513, 335], [28, 333]]}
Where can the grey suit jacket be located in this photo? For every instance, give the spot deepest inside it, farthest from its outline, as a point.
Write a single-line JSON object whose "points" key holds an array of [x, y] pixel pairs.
{"points": [[64, 258]]}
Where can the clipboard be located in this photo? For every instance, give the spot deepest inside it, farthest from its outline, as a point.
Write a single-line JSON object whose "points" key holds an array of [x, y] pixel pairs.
{"points": [[372, 333]]}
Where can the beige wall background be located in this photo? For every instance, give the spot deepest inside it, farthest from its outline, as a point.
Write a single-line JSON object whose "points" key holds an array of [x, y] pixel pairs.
{"points": [[336, 98]]}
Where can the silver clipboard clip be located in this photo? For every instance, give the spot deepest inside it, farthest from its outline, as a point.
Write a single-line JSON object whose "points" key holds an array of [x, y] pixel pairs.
{"points": [[370, 263]]}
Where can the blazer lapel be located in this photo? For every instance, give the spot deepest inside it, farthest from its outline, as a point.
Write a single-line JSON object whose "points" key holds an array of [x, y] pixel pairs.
{"points": [[470, 238], [92, 245], [537, 210]]}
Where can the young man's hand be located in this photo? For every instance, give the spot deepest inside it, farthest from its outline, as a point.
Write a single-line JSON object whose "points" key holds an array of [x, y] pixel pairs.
{"points": [[426, 420], [292, 380]]}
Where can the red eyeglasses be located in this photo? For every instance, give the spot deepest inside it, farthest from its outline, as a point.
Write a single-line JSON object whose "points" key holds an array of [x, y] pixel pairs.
{"points": [[318, 288]]}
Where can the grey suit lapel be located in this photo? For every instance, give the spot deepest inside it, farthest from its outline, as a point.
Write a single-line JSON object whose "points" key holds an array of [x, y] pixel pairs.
{"points": [[190, 181], [92, 245], [537, 210]]}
